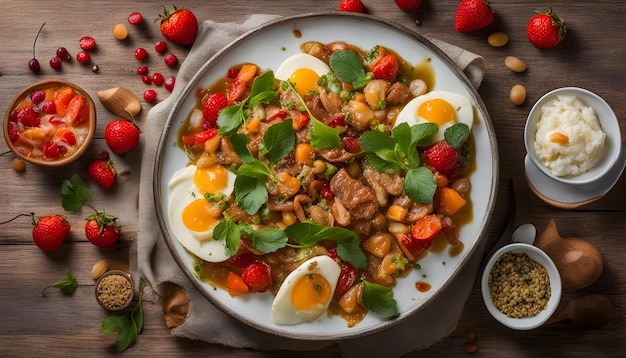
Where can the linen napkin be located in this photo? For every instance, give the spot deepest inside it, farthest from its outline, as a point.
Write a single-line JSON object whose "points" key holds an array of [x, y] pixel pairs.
{"points": [[197, 318]]}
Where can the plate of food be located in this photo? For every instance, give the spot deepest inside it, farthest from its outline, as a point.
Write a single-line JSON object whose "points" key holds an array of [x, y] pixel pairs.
{"points": [[326, 176]]}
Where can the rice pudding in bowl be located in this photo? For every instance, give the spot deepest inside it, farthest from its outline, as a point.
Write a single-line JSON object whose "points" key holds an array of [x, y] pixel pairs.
{"points": [[572, 135]]}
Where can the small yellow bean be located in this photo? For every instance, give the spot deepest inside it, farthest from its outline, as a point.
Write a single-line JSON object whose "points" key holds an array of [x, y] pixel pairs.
{"points": [[498, 39], [18, 165], [120, 32], [514, 64], [517, 95]]}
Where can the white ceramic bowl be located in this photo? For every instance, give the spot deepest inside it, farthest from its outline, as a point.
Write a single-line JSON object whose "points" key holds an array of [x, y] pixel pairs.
{"points": [[608, 122], [544, 260]]}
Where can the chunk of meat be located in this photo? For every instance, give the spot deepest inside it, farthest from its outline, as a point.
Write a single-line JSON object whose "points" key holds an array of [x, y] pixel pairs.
{"points": [[383, 184], [398, 93], [226, 155], [357, 197], [320, 216]]}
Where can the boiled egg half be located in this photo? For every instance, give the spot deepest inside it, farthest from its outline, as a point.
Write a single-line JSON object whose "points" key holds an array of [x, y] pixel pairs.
{"points": [[192, 217], [306, 292], [440, 107], [302, 69]]}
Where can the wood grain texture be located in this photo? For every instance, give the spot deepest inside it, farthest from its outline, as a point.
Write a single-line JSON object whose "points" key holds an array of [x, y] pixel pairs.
{"points": [[591, 57]]}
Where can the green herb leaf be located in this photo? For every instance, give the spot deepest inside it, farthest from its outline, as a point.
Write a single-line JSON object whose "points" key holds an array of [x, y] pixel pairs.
{"points": [[348, 68], [379, 299], [420, 185], [67, 286], [382, 165], [127, 324], [330, 83], [262, 86], [350, 251], [240, 146], [74, 193], [456, 134], [250, 193], [254, 169], [269, 240], [229, 119], [228, 231], [323, 136], [279, 140], [423, 133]]}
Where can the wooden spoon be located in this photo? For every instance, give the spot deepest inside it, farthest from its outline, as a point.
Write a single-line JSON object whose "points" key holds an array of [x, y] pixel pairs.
{"points": [[585, 313], [579, 262]]}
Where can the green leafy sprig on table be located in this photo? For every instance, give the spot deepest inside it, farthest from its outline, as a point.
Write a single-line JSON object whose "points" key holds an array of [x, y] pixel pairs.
{"points": [[75, 193], [127, 324], [67, 286]]}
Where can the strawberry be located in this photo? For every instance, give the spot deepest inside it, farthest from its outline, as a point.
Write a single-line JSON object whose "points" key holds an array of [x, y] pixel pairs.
{"points": [[546, 29], [50, 231], [472, 15], [351, 6], [179, 26], [101, 229], [386, 68], [211, 110], [408, 5], [102, 172], [257, 277], [442, 157], [121, 136]]}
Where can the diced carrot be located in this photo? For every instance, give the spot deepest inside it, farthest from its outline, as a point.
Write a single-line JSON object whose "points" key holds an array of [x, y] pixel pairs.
{"points": [[396, 213], [235, 285], [253, 125], [427, 227], [304, 153], [449, 201]]}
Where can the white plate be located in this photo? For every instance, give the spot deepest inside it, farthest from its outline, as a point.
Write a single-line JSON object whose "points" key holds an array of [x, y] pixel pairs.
{"points": [[570, 195], [267, 47]]}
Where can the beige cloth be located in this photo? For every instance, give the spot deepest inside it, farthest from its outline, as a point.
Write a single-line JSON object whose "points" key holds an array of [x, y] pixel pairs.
{"points": [[152, 260]]}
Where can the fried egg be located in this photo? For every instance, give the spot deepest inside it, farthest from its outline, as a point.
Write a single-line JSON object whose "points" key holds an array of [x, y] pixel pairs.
{"points": [[306, 292], [440, 107], [192, 217], [302, 69]]}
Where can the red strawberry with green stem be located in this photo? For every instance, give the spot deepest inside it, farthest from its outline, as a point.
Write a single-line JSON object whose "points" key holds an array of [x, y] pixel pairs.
{"points": [[179, 26], [546, 29], [101, 229], [351, 6], [473, 15], [121, 136], [102, 172], [50, 231]]}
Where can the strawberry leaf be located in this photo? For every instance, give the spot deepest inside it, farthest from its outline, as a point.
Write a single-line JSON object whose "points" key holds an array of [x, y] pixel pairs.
{"points": [[74, 193], [127, 324]]}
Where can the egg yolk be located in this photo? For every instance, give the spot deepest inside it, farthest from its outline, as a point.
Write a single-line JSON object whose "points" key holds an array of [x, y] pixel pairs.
{"points": [[437, 111], [305, 80], [197, 217], [211, 179], [310, 292]]}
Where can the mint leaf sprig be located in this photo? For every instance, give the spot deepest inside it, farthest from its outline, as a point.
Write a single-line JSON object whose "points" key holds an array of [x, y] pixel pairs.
{"points": [[127, 324], [67, 286], [75, 193], [348, 67], [261, 92], [379, 299]]}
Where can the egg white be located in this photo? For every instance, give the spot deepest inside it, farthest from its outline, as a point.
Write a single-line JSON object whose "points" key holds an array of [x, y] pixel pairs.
{"points": [[283, 312], [182, 191], [462, 105], [298, 61]]}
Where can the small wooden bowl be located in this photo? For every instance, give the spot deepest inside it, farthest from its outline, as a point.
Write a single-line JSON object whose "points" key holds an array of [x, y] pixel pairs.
{"points": [[114, 286], [84, 138]]}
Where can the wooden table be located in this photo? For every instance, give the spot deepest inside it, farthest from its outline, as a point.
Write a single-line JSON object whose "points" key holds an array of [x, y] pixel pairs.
{"points": [[591, 57]]}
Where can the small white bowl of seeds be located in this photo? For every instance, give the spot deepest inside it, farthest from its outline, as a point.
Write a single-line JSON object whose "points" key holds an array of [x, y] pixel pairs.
{"points": [[521, 286]]}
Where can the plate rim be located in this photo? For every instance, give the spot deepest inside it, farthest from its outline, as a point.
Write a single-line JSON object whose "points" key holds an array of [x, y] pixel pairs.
{"points": [[191, 84]]}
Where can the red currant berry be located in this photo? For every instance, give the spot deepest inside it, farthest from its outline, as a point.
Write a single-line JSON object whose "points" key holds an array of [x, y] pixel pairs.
{"points": [[232, 73], [50, 150], [160, 46], [170, 59], [326, 193], [169, 83], [37, 96], [146, 79], [87, 42], [49, 107], [149, 95], [143, 70], [135, 18], [141, 53], [83, 57], [33, 64], [63, 53], [55, 62], [157, 78]]}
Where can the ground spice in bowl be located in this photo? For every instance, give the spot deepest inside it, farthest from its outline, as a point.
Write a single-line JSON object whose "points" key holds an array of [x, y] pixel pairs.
{"points": [[114, 290], [518, 286]]}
